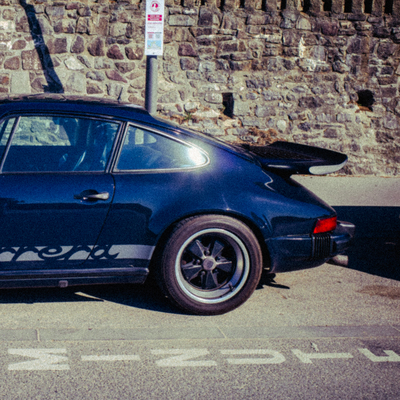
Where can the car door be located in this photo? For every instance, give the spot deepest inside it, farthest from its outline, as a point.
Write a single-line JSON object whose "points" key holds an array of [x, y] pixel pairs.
{"points": [[55, 192], [152, 174]]}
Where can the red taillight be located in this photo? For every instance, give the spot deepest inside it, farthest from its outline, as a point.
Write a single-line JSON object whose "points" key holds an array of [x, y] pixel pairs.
{"points": [[325, 225]]}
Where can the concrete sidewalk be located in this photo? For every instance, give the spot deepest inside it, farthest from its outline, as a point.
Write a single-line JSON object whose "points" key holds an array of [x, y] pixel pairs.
{"points": [[373, 205], [362, 191]]}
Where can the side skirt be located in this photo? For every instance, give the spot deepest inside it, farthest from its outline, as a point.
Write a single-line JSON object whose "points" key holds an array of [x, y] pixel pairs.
{"points": [[69, 277]]}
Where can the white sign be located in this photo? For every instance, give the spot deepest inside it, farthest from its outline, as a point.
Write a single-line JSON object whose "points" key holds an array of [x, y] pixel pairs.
{"points": [[154, 28]]}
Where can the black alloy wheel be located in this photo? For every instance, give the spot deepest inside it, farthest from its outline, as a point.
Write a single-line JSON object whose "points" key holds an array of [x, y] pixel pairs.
{"points": [[210, 265]]}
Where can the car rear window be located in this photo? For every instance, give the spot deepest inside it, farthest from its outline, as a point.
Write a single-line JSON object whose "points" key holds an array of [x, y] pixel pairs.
{"points": [[146, 150]]}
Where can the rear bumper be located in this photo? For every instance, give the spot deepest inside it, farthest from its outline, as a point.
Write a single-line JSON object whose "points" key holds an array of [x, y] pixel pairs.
{"points": [[290, 253]]}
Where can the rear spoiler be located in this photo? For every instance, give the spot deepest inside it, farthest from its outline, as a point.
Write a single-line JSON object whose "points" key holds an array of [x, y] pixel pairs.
{"points": [[293, 158]]}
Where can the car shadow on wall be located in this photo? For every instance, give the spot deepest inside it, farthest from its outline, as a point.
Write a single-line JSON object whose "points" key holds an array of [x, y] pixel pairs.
{"points": [[376, 246], [54, 84]]}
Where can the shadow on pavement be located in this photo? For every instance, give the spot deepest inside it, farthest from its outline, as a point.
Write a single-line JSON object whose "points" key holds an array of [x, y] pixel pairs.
{"points": [[41, 295], [376, 246], [268, 279], [147, 296]]}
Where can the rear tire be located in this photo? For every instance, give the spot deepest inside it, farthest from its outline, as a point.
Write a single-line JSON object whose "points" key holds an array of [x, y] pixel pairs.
{"points": [[210, 264]]}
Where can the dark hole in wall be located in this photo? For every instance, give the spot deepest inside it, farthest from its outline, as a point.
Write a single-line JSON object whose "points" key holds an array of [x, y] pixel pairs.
{"points": [[307, 5], [221, 5], [242, 3], [227, 102], [348, 6], [283, 4], [264, 5], [365, 98], [327, 5], [368, 6], [389, 6]]}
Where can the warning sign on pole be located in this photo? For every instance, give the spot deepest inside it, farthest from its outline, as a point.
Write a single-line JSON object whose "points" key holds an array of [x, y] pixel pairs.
{"points": [[154, 27]]}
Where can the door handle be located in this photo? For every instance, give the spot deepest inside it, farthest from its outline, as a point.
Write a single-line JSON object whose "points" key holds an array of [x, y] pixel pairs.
{"points": [[92, 195]]}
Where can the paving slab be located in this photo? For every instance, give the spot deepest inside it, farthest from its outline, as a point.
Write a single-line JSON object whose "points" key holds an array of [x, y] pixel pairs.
{"points": [[364, 191]]}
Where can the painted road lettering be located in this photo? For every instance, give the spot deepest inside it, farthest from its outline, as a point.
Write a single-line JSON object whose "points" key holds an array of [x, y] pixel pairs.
{"points": [[44, 360], [121, 357], [56, 359], [183, 358], [276, 357], [391, 356], [307, 358]]}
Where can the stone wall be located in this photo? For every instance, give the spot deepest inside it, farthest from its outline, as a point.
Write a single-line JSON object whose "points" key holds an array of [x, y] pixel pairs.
{"points": [[321, 72]]}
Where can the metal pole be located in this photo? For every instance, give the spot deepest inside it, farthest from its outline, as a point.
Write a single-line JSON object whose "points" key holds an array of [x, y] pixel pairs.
{"points": [[151, 84]]}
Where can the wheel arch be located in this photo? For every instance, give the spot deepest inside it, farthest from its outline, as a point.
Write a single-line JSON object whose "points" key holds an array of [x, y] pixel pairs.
{"points": [[247, 221]]}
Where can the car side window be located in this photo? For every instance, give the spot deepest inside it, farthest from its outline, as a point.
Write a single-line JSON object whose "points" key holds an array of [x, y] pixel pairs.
{"points": [[5, 130], [145, 150], [63, 144]]}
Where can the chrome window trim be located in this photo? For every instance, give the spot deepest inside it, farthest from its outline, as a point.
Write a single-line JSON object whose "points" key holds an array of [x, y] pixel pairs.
{"points": [[9, 140], [156, 170]]}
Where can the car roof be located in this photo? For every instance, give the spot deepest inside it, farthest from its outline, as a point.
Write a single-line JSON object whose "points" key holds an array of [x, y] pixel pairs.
{"points": [[61, 103], [58, 102], [59, 97]]}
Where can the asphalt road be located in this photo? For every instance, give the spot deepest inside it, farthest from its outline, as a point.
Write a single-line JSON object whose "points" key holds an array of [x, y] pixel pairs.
{"points": [[331, 332]]}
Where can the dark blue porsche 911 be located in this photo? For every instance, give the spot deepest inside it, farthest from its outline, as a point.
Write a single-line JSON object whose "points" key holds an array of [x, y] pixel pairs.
{"points": [[95, 192]]}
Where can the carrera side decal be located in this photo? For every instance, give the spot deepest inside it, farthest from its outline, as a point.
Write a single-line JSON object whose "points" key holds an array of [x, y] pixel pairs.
{"points": [[76, 253]]}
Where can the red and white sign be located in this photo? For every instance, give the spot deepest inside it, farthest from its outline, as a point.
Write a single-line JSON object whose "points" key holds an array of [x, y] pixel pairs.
{"points": [[154, 28], [156, 17]]}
